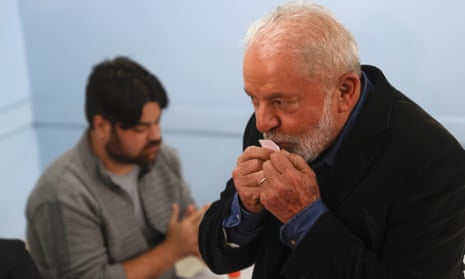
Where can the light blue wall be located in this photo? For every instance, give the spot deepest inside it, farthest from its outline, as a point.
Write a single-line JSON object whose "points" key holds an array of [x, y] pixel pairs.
{"points": [[19, 165], [194, 48]]}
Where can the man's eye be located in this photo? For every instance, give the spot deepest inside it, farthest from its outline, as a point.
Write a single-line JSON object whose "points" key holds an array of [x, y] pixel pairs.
{"points": [[253, 99], [286, 105], [140, 129], [278, 103]]}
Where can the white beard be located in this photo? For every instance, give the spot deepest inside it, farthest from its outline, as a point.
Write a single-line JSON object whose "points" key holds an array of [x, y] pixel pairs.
{"points": [[311, 144]]}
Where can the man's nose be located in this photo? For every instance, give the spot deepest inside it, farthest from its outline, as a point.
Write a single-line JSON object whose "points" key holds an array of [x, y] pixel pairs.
{"points": [[266, 118], [154, 131]]}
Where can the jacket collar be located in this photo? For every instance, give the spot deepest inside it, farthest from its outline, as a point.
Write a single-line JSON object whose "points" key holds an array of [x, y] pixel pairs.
{"points": [[361, 147]]}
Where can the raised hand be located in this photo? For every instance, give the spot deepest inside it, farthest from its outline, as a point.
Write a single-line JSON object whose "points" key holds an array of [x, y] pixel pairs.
{"points": [[290, 186], [182, 233], [248, 176]]}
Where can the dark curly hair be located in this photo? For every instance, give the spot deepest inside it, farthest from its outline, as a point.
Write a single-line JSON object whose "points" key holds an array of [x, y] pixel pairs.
{"points": [[118, 89]]}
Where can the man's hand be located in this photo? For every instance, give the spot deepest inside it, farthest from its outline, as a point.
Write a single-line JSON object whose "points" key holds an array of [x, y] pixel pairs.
{"points": [[248, 176], [182, 234], [290, 185], [181, 241]]}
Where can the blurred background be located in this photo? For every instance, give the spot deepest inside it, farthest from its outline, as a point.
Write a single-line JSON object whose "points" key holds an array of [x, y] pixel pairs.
{"points": [[48, 47]]}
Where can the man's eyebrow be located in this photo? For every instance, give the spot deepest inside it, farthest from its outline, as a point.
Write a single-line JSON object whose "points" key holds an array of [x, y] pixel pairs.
{"points": [[147, 123], [143, 123], [272, 96]]}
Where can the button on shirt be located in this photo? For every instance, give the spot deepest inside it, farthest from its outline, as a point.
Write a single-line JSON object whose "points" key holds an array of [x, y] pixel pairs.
{"points": [[241, 226]]}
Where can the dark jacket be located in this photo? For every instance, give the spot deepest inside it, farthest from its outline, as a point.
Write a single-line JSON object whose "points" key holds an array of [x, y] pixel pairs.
{"points": [[396, 199], [15, 261]]}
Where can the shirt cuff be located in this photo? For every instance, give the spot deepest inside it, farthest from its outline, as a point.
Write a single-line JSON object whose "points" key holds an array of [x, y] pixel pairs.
{"points": [[241, 226], [293, 231], [249, 221]]}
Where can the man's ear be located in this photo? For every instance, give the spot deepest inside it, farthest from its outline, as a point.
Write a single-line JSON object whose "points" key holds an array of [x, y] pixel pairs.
{"points": [[348, 91], [101, 127]]}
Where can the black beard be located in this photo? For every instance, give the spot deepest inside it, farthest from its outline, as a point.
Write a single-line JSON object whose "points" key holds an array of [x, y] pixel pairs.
{"points": [[141, 160]]}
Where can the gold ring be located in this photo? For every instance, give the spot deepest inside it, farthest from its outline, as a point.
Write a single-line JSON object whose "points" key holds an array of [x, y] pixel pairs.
{"points": [[262, 181]]}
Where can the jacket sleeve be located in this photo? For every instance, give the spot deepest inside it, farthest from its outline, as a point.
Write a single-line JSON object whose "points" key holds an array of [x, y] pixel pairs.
{"points": [[15, 261], [220, 257], [65, 234]]}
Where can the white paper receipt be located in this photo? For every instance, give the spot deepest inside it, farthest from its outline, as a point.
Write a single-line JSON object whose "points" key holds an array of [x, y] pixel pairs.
{"points": [[269, 144]]}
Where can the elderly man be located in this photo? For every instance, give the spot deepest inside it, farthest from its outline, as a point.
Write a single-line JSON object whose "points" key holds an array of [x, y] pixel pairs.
{"points": [[364, 184]]}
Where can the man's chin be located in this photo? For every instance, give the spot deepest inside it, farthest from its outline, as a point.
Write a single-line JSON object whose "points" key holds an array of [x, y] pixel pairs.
{"points": [[150, 159]]}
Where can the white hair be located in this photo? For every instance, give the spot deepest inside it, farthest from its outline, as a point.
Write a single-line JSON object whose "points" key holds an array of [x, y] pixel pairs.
{"points": [[311, 36]]}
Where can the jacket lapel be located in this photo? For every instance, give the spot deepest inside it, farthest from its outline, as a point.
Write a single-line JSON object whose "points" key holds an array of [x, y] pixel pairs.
{"points": [[361, 146]]}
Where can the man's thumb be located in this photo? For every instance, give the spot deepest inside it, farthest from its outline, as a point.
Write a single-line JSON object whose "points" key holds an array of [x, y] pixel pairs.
{"points": [[175, 215]]}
